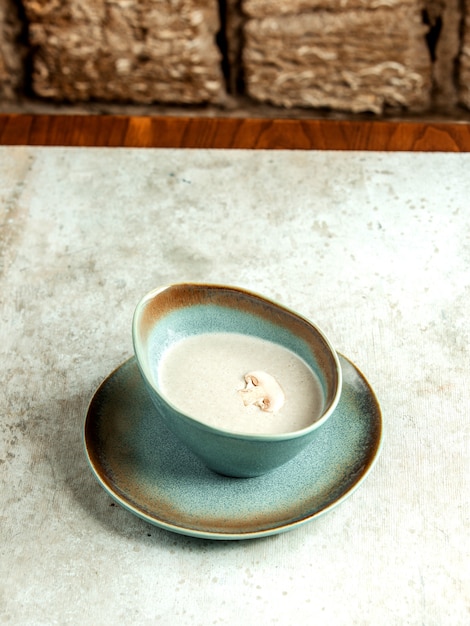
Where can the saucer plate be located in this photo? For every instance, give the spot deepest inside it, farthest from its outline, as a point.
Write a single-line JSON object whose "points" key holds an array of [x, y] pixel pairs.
{"points": [[142, 466]]}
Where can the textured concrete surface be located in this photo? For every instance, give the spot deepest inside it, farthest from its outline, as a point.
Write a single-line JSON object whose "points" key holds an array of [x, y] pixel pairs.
{"points": [[373, 247]]}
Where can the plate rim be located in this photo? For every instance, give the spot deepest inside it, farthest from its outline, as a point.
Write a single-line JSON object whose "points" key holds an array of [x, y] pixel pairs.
{"points": [[372, 458]]}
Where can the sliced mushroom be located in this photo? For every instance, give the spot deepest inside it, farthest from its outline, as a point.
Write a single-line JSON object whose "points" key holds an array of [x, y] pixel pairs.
{"points": [[263, 391]]}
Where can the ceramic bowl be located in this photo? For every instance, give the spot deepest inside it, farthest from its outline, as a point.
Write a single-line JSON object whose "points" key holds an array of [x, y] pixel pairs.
{"points": [[172, 313]]}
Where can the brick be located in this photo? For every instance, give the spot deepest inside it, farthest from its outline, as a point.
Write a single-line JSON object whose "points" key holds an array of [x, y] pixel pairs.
{"points": [[444, 19], [12, 51], [126, 50], [464, 65], [267, 8], [354, 60]]}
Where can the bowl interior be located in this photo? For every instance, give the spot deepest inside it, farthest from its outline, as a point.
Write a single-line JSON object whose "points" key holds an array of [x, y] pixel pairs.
{"points": [[169, 315]]}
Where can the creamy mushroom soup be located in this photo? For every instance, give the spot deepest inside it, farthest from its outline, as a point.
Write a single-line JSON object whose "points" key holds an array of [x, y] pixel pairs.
{"points": [[210, 377]]}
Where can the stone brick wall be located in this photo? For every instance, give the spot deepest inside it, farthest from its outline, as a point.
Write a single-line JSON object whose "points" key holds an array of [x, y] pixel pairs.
{"points": [[341, 55]]}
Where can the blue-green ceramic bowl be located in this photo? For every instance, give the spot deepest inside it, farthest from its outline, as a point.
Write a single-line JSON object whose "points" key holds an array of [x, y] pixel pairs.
{"points": [[169, 314]]}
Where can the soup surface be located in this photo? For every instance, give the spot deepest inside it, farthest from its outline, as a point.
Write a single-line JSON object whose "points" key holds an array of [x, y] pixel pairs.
{"points": [[203, 375]]}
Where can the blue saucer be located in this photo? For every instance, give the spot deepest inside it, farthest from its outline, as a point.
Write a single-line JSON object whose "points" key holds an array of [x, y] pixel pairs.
{"points": [[146, 470]]}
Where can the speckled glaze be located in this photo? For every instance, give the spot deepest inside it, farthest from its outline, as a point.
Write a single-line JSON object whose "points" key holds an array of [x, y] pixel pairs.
{"points": [[143, 466], [169, 314]]}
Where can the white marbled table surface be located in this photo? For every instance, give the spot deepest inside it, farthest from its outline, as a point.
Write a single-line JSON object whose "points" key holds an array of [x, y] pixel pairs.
{"points": [[374, 247]]}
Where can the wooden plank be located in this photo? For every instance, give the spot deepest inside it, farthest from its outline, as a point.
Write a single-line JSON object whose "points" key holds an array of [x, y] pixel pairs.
{"points": [[200, 132]]}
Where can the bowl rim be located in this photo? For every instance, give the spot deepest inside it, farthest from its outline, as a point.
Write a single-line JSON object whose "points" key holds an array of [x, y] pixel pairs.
{"points": [[295, 434]]}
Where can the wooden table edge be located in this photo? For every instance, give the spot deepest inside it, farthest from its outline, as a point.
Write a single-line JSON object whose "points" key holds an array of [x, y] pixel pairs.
{"points": [[232, 133]]}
